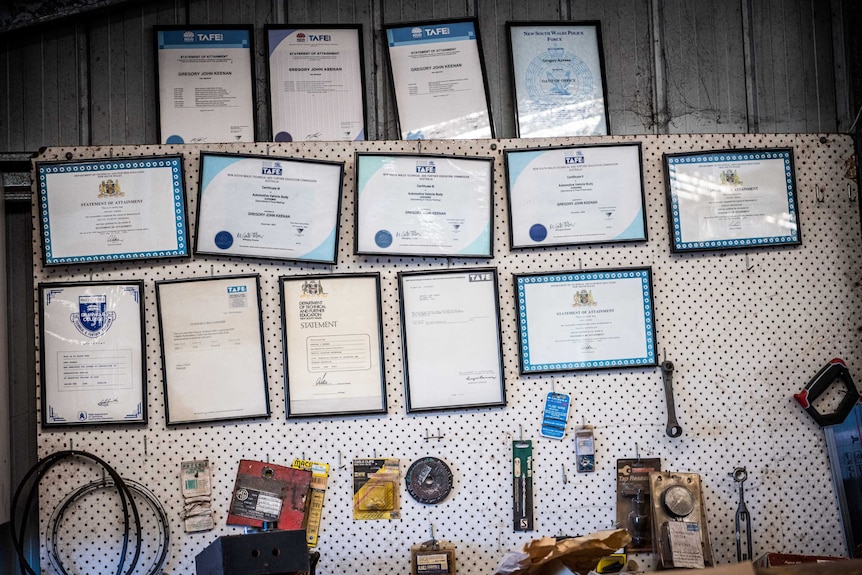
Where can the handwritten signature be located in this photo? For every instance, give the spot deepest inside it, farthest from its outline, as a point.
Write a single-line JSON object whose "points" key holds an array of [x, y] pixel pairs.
{"points": [[321, 380], [108, 401]]}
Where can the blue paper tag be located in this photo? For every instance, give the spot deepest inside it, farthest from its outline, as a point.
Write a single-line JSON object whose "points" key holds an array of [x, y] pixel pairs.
{"points": [[556, 415]]}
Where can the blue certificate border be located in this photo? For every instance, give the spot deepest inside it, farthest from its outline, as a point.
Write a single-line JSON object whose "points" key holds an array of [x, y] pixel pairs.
{"points": [[644, 274], [174, 163], [673, 160], [636, 232]]}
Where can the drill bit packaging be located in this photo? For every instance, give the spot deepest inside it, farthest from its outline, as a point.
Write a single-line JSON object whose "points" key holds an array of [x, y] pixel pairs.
{"points": [[522, 479]]}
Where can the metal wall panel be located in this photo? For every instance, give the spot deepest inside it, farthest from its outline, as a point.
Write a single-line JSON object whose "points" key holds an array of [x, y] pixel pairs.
{"points": [[704, 67], [793, 66], [628, 61], [673, 66]]}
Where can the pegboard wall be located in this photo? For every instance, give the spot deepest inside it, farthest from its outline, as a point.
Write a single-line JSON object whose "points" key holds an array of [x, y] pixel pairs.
{"points": [[744, 328]]}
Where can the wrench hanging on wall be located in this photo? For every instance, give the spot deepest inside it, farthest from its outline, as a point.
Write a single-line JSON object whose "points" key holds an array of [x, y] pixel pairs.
{"points": [[673, 429]]}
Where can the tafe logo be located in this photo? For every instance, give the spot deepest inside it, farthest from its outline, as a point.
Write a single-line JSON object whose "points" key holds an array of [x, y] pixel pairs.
{"points": [[442, 31], [210, 37], [426, 167], [237, 289], [300, 37], [481, 277], [188, 36], [417, 32], [578, 158], [271, 169], [319, 37]]}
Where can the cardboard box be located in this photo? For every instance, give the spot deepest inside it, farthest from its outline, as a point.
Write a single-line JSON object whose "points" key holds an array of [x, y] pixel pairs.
{"points": [[775, 559]]}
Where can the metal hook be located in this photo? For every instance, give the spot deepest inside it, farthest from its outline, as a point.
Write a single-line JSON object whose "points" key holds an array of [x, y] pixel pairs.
{"points": [[663, 354], [850, 193], [554, 384], [818, 194], [637, 452], [212, 270], [565, 477], [375, 453], [580, 265], [429, 436], [432, 533], [267, 149], [419, 146], [145, 446], [521, 432], [340, 466], [748, 267]]}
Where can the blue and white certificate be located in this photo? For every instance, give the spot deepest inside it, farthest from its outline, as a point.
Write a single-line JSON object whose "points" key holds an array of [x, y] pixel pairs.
{"points": [[575, 195], [92, 353], [585, 320], [558, 76], [316, 84], [439, 80], [266, 207], [112, 209], [424, 205], [732, 199], [206, 78]]}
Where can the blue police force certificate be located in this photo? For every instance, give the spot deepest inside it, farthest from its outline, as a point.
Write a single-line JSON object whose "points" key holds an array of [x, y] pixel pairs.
{"points": [[558, 81], [439, 82], [269, 207], [424, 205], [205, 86]]}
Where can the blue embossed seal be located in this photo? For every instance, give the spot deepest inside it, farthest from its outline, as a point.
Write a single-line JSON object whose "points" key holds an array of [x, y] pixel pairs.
{"points": [[556, 75], [538, 232], [224, 240], [383, 239]]}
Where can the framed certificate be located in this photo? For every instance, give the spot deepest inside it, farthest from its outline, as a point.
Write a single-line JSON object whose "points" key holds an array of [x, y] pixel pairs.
{"points": [[205, 79], [571, 321], [333, 344], [422, 205], [266, 207], [316, 82], [450, 332], [112, 209], [211, 335], [575, 195], [438, 78], [92, 353], [728, 199], [558, 77]]}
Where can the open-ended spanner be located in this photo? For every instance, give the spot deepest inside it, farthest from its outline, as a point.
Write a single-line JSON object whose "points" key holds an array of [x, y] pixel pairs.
{"points": [[673, 428]]}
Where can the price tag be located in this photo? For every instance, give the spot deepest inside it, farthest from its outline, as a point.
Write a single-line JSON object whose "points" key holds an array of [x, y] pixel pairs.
{"points": [[556, 415]]}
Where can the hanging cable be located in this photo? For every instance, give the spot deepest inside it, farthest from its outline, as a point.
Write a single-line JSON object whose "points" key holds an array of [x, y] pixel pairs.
{"points": [[147, 496], [37, 472]]}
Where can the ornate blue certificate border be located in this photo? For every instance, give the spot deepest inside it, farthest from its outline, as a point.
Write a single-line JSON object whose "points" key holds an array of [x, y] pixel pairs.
{"points": [[793, 237], [173, 163], [641, 274]]}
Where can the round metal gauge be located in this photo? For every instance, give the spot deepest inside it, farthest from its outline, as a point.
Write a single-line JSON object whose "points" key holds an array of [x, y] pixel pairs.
{"points": [[678, 501]]}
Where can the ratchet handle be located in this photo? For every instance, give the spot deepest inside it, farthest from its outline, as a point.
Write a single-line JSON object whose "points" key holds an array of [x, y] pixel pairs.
{"points": [[673, 428]]}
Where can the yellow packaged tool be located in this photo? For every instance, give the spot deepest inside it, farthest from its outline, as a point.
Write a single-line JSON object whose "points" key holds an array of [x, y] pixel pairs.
{"points": [[376, 488], [316, 493]]}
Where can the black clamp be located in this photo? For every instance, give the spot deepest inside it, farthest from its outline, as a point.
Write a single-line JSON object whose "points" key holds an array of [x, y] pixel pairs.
{"points": [[833, 372]]}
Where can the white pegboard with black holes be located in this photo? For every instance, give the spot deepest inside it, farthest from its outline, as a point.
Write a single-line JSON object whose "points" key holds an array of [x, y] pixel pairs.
{"points": [[745, 330]]}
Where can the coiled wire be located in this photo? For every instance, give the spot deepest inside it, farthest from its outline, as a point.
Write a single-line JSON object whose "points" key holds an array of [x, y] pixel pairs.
{"points": [[56, 520], [34, 477]]}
